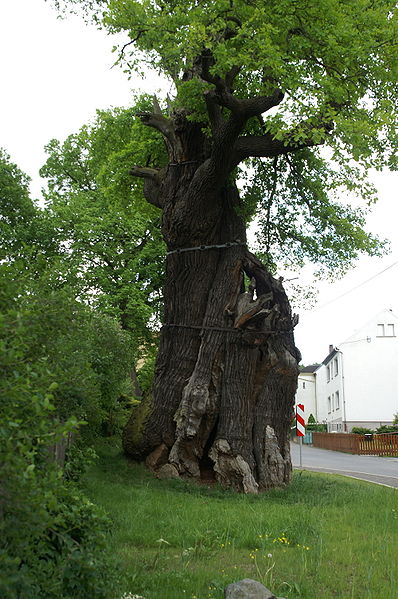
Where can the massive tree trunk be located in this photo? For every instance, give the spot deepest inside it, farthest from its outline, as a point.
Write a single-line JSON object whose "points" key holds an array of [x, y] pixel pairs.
{"points": [[226, 372]]}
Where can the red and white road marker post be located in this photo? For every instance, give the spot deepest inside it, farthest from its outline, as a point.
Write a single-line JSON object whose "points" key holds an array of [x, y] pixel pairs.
{"points": [[300, 428]]}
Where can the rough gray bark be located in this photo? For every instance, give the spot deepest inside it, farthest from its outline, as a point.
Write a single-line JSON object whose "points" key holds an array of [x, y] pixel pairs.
{"points": [[226, 372]]}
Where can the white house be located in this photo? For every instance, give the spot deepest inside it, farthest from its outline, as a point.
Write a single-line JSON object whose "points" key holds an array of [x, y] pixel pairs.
{"points": [[357, 383], [306, 391]]}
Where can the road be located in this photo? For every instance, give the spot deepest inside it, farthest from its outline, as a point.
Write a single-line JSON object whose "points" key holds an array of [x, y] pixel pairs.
{"points": [[383, 471]]}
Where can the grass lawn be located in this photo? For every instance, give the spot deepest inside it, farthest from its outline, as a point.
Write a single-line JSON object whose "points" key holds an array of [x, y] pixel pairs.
{"points": [[324, 537]]}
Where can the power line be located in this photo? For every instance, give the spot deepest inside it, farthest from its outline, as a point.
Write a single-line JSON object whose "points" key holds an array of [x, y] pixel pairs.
{"points": [[354, 288]]}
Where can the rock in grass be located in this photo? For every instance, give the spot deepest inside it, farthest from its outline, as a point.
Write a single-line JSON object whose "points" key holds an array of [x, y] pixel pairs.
{"points": [[248, 589], [168, 471]]}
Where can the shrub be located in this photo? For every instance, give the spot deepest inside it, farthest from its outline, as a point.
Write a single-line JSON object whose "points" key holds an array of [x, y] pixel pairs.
{"points": [[314, 426], [52, 539], [385, 429], [360, 430]]}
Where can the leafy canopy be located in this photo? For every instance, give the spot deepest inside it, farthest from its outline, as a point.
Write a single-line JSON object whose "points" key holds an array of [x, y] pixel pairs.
{"points": [[335, 61], [333, 58]]}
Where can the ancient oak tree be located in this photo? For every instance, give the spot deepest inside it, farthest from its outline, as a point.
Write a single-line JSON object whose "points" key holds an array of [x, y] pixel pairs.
{"points": [[298, 98]]}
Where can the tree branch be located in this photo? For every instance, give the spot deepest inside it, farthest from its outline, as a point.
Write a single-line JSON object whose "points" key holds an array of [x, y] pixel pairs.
{"points": [[260, 146], [214, 111], [152, 183], [243, 108], [247, 108], [157, 121], [167, 129], [121, 53], [231, 75], [266, 146], [145, 172]]}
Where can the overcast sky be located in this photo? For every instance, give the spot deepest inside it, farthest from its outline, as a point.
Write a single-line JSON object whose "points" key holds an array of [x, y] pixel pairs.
{"points": [[55, 73]]}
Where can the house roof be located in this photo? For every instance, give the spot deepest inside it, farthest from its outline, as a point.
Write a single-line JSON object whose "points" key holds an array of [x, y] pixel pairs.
{"points": [[363, 329], [335, 350], [330, 356], [309, 368]]}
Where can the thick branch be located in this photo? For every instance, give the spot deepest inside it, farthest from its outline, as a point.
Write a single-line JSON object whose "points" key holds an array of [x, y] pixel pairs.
{"points": [[243, 108], [145, 172], [226, 132], [152, 183], [231, 75], [167, 129], [247, 108], [266, 146], [260, 146], [214, 111], [156, 107], [157, 121]]}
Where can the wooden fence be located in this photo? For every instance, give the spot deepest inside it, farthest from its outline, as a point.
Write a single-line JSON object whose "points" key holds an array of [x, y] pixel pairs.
{"points": [[383, 445]]}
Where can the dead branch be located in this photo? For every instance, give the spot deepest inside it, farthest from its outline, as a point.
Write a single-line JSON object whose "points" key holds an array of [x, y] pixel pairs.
{"points": [[152, 183], [145, 172]]}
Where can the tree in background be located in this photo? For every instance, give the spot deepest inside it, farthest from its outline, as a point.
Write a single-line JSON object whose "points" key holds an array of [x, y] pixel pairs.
{"points": [[109, 234], [87, 352], [262, 86], [27, 237]]}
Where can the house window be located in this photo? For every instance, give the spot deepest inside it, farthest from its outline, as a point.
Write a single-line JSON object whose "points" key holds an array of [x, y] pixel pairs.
{"points": [[328, 374], [332, 402], [386, 330], [337, 400], [336, 366], [329, 404]]}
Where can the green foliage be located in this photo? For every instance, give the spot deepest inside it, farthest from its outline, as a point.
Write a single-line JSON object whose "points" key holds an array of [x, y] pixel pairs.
{"points": [[387, 429], [301, 214], [61, 364], [317, 428], [16, 207], [333, 59], [314, 426], [109, 233], [51, 286], [77, 461], [26, 235], [52, 539], [336, 63], [361, 430], [89, 355]]}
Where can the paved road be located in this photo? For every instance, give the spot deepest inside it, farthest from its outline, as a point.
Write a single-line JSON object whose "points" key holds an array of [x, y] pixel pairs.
{"points": [[383, 471]]}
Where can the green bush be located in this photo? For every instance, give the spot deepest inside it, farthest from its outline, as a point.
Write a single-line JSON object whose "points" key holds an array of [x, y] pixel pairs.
{"points": [[385, 429], [314, 426], [317, 428], [77, 460], [360, 430], [88, 355], [52, 539]]}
